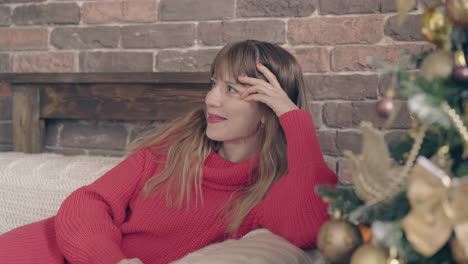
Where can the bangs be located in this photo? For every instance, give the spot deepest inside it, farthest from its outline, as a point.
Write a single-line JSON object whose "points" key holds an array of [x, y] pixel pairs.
{"points": [[236, 59]]}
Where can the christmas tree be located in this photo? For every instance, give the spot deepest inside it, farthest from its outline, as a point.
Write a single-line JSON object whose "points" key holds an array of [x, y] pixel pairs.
{"points": [[408, 201]]}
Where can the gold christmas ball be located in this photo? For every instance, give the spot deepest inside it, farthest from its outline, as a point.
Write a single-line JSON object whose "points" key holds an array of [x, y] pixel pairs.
{"points": [[435, 25], [370, 254], [337, 239], [457, 252], [384, 107], [458, 11], [438, 64]]}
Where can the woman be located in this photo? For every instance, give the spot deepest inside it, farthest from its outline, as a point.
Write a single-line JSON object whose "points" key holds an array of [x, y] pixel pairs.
{"points": [[248, 159]]}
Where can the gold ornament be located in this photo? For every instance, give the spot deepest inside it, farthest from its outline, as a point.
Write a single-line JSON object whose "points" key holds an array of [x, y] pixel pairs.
{"points": [[458, 11], [457, 252], [404, 7], [435, 26], [456, 119], [438, 64], [337, 239], [369, 254], [373, 176], [438, 207], [372, 172]]}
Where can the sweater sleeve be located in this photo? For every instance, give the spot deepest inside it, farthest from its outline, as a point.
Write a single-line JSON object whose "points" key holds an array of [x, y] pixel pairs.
{"points": [[291, 208], [86, 223]]}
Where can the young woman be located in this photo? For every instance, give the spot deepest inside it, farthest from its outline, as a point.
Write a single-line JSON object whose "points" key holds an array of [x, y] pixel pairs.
{"points": [[248, 159]]}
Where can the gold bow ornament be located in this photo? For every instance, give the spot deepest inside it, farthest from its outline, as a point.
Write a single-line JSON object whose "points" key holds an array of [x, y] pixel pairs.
{"points": [[439, 205]]}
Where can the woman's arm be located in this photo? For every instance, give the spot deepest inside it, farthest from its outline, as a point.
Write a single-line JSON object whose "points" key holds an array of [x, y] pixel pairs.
{"points": [[86, 223], [291, 208]]}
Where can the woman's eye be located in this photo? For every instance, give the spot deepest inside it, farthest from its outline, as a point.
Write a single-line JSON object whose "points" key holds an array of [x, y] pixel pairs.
{"points": [[231, 89]]}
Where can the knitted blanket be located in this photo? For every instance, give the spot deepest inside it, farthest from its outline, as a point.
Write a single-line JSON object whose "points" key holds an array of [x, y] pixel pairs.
{"points": [[32, 186]]}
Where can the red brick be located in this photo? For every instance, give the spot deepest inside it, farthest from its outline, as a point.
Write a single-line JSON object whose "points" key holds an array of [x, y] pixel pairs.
{"points": [[159, 36], [211, 33], [312, 59], [85, 37], [356, 58], [346, 87], [349, 140], [264, 30], [119, 11], [185, 61], [344, 171], [408, 31], [23, 38], [42, 14], [230, 31], [365, 111], [341, 7], [116, 61], [196, 9], [336, 30], [327, 141], [316, 112], [45, 62], [275, 8], [338, 115]]}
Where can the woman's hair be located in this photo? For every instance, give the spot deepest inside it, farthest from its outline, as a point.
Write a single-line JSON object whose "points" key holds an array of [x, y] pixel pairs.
{"points": [[186, 146]]}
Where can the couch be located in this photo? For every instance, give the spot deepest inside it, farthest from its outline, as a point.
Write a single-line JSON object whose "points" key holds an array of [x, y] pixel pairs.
{"points": [[32, 187]]}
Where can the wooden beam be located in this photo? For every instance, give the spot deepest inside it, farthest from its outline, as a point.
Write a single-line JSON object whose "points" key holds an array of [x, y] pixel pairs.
{"points": [[28, 128], [120, 101], [106, 77]]}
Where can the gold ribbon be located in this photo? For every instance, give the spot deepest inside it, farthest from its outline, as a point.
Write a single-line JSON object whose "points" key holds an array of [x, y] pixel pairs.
{"points": [[439, 206]]}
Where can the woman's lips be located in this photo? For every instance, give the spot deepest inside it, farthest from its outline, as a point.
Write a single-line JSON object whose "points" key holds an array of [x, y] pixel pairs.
{"points": [[212, 118]]}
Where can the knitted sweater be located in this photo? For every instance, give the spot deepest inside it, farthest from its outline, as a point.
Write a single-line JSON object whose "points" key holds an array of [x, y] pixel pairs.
{"points": [[110, 219]]}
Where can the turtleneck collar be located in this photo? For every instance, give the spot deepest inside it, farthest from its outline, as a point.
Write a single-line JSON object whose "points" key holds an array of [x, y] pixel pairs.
{"points": [[222, 174]]}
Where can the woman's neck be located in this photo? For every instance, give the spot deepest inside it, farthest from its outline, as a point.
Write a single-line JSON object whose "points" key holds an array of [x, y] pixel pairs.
{"points": [[237, 152]]}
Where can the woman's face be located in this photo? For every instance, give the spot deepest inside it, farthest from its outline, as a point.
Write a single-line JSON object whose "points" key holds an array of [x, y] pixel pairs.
{"points": [[230, 118]]}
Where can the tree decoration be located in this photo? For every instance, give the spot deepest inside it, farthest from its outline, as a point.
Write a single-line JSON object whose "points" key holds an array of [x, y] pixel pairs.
{"points": [[438, 207], [438, 64], [458, 11], [369, 254], [435, 26]]}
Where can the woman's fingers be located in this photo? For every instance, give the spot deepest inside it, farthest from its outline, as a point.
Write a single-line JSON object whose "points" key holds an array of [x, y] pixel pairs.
{"points": [[256, 89], [268, 75]]}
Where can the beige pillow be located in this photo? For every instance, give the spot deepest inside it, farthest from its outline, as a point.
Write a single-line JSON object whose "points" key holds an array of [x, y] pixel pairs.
{"points": [[257, 247]]}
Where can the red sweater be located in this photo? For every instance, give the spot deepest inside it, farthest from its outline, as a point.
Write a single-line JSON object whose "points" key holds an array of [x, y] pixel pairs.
{"points": [[110, 220]]}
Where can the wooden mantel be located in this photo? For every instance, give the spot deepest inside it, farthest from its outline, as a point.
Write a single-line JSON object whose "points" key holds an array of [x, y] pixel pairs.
{"points": [[98, 96]]}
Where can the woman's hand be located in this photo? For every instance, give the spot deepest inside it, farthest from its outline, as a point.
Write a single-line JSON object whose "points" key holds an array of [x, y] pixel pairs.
{"points": [[130, 261], [269, 93]]}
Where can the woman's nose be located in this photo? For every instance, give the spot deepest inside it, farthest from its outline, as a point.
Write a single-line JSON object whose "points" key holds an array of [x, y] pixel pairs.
{"points": [[213, 97]]}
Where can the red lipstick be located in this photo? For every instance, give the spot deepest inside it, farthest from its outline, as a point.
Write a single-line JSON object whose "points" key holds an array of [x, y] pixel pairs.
{"points": [[212, 118]]}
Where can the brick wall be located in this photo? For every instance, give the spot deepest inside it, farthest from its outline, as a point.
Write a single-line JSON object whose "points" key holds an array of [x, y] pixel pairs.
{"points": [[331, 38]]}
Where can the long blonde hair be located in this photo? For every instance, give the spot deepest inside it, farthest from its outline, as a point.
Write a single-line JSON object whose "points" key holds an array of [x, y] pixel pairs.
{"points": [[186, 146]]}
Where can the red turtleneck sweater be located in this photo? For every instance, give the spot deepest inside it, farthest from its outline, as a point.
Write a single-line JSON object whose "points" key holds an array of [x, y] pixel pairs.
{"points": [[110, 220]]}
